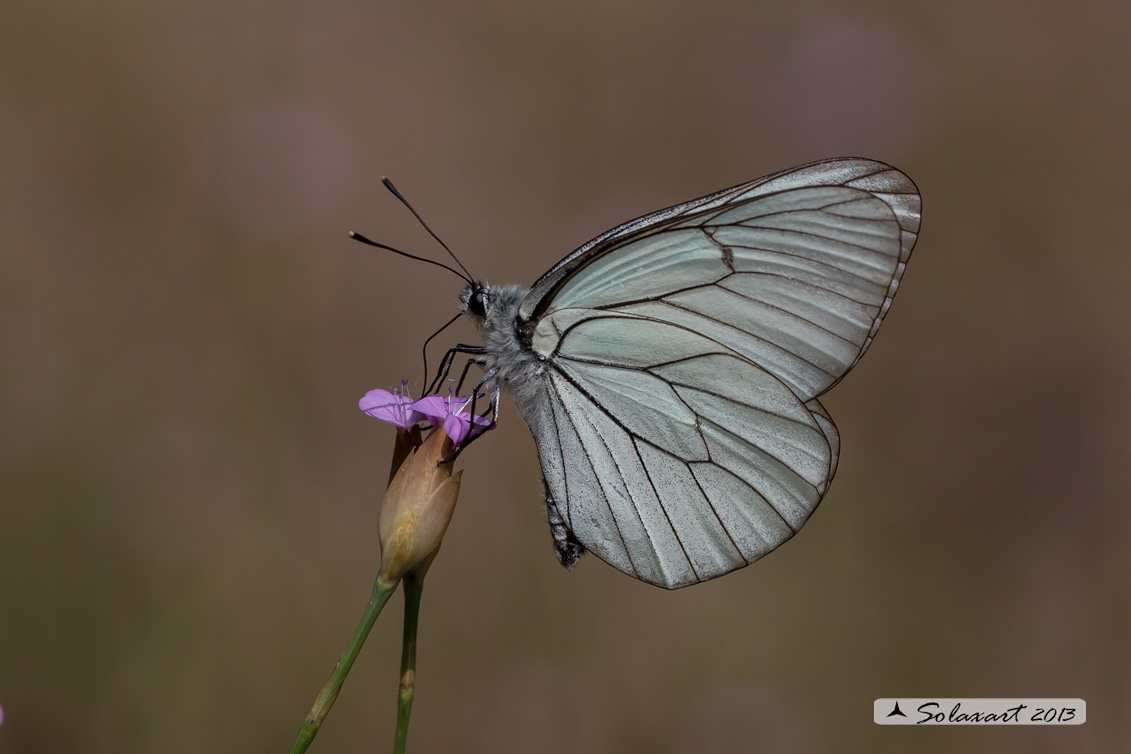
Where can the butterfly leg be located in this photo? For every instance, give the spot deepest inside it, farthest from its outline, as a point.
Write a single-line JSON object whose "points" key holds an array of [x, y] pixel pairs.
{"points": [[466, 369], [566, 546], [493, 408], [442, 372], [446, 364]]}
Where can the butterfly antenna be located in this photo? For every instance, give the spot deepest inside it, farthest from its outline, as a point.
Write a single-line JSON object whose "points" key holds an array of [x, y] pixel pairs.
{"points": [[389, 185], [358, 237]]}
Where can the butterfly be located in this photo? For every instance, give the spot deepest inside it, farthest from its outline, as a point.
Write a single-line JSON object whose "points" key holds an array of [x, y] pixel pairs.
{"points": [[670, 369]]}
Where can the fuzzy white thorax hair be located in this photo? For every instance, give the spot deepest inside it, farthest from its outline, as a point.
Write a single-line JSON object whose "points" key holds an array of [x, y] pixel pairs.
{"points": [[517, 367]]}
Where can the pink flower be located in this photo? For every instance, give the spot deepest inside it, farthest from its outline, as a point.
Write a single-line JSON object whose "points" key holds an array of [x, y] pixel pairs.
{"points": [[397, 408]]}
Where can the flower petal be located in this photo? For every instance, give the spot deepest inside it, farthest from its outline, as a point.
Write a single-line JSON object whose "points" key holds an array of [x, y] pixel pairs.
{"points": [[457, 427], [394, 408], [434, 407]]}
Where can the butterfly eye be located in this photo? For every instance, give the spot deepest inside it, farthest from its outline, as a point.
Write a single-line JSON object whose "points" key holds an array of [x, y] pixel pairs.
{"points": [[477, 305]]}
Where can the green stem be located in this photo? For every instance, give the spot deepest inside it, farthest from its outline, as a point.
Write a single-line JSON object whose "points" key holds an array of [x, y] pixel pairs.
{"points": [[382, 591], [413, 585]]}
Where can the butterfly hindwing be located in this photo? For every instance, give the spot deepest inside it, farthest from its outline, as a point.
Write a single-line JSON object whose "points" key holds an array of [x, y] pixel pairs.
{"points": [[675, 463]]}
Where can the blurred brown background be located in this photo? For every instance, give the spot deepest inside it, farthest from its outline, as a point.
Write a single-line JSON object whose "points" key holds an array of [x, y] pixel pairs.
{"points": [[188, 493]]}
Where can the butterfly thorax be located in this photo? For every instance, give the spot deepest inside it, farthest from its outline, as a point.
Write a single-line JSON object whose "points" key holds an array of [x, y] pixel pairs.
{"points": [[506, 338]]}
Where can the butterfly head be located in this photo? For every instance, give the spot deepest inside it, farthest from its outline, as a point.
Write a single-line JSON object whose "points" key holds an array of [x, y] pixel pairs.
{"points": [[492, 308], [475, 301]]}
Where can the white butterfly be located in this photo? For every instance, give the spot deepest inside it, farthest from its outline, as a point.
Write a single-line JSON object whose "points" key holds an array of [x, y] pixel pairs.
{"points": [[669, 369]]}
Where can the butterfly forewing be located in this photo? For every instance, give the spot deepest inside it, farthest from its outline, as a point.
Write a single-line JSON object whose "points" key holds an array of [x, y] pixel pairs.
{"points": [[875, 178], [789, 280]]}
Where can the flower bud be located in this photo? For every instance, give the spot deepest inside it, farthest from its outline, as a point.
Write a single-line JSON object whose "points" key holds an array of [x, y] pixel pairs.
{"points": [[418, 506], [406, 441]]}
